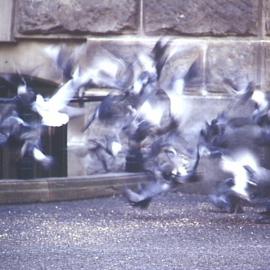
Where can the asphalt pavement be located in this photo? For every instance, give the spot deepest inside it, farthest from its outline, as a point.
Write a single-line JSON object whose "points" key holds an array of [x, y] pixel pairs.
{"points": [[176, 232]]}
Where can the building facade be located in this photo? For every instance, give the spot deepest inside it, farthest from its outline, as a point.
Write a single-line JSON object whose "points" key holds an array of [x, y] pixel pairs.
{"points": [[233, 38]]}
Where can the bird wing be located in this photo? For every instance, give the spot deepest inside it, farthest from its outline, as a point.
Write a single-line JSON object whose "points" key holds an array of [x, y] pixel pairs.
{"points": [[68, 90], [237, 164], [49, 113], [62, 97]]}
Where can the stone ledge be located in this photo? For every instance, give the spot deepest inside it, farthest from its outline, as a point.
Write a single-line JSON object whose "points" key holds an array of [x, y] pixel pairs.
{"points": [[42, 190], [61, 189]]}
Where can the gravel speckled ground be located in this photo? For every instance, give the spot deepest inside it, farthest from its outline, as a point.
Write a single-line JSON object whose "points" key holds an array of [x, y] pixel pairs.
{"points": [[176, 232]]}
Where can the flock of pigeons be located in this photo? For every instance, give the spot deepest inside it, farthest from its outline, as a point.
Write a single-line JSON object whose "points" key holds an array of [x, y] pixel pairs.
{"points": [[147, 122]]}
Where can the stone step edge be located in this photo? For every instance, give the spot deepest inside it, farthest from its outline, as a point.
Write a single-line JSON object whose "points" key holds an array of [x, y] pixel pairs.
{"points": [[15, 191]]}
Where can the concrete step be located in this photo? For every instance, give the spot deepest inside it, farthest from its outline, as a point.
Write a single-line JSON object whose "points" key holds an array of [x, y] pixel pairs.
{"points": [[66, 188]]}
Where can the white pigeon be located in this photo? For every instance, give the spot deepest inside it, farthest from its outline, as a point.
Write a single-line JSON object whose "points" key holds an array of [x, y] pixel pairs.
{"points": [[53, 111], [259, 97], [40, 157], [116, 148], [151, 112], [237, 164]]}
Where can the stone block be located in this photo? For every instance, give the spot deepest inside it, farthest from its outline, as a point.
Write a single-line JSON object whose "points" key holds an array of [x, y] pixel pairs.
{"points": [[266, 14], [237, 61], [6, 20], [76, 17], [266, 66], [209, 17]]}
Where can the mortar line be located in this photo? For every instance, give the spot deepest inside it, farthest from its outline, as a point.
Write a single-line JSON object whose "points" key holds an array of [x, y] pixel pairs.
{"points": [[141, 22], [133, 36], [204, 87], [260, 57], [261, 20]]}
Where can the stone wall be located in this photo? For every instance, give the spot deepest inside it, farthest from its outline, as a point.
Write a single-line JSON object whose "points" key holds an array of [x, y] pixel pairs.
{"points": [[177, 17], [233, 34]]}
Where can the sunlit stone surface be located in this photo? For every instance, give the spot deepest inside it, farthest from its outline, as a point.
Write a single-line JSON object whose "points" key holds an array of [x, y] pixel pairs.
{"points": [[210, 17], [78, 17]]}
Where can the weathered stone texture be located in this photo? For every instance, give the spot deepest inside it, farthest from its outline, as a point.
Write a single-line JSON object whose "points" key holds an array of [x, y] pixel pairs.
{"points": [[237, 61], [196, 17], [6, 20], [266, 66], [76, 17], [266, 11]]}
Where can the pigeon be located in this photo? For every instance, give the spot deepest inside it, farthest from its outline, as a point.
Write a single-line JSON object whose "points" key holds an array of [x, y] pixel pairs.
{"points": [[168, 165], [259, 98], [32, 149], [14, 129], [225, 199], [105, 150], [144, 196], [261, 113], [63, 59], [20, 125], [244, 93], [105, 69], [54, 110], [181, 157], [113, 109], [133, 100], [238, 163], [250, 185], [225, 133], [22, 103], [260, 191], [213, 137], [109, 71], [232, 191]]}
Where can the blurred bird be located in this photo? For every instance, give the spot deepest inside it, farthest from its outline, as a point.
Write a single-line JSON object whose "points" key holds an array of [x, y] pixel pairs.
{"points": [[258, 97], [15, 130], [63, 58], [250, 185], [11, 126], [108, 71], [54, 111], [104, 68], [113, 108], [230, 193], [261, 113], [31, 140], [22, 102], [145, 194], [225, 133], [243, 94], [225, 199], [238, 164], [213, 136], [168, 164], [135, 98], [104, 151]]}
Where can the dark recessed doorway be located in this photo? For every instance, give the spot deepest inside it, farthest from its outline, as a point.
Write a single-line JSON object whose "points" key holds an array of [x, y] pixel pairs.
{"points": [[53, 142]]}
